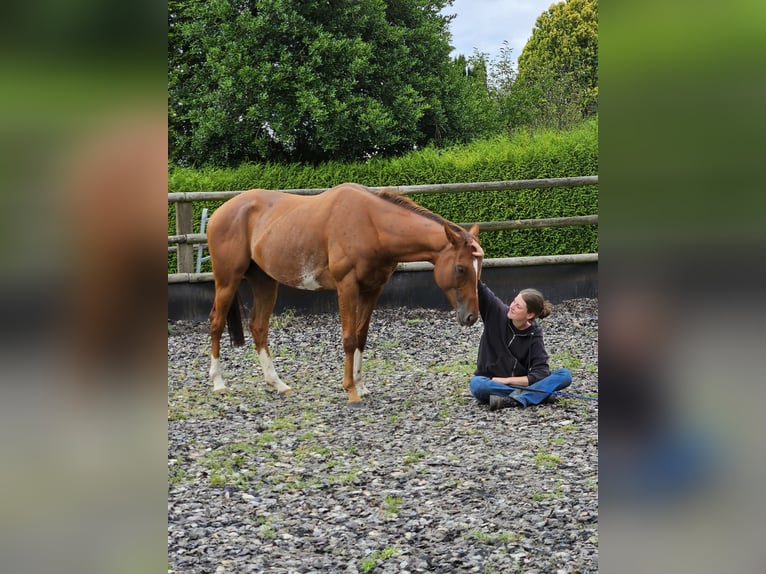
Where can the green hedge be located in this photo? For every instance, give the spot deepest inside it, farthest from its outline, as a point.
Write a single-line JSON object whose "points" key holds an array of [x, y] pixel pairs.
{"points": [[525, 155]]}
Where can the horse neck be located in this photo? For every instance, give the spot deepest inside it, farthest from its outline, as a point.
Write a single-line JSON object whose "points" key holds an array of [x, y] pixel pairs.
{"points": [[413, 238]]}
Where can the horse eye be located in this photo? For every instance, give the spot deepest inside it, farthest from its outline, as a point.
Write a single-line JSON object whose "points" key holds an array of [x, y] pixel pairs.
{"points": [[459, 269]]}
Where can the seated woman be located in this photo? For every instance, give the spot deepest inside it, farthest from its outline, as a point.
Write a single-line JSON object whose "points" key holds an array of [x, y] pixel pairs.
{"points": [[512, 351]]}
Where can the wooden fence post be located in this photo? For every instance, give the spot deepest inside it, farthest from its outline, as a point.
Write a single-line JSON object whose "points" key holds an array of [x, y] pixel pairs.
{"points": [[184, 226]]}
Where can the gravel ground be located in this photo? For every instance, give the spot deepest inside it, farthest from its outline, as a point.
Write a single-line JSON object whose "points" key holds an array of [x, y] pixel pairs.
{"points": [[420, 479]]}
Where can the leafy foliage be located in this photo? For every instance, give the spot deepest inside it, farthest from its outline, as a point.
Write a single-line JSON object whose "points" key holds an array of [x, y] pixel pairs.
{"points": [[557, 82], [307, 80], [311, 81]]}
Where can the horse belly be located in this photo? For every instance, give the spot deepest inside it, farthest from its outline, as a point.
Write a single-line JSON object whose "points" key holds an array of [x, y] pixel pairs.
{"points": [[313, 278], [296, 267], [285, 249]]}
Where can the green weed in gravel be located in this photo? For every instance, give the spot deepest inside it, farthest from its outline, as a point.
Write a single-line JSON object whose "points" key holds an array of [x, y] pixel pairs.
{"points": [[369, 563], [503, 537], [414, 456], [392, 504], [228, 464], [566, 360], [546, 459]]}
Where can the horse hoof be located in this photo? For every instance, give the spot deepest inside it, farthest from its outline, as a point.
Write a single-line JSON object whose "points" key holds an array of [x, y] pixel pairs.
{"points": [[355, 404], [220, 390], [286, 392]]}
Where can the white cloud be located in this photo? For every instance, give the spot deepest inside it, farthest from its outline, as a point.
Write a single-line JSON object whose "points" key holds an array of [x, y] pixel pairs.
{"points": [[485, 24]]}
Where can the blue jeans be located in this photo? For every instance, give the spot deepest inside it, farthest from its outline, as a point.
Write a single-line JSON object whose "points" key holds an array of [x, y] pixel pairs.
{"points": [[483, 387]]}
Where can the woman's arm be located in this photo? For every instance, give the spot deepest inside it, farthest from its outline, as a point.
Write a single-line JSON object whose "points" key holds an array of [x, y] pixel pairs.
{"points": [[478, 252], [516, 381], [539, 367]]}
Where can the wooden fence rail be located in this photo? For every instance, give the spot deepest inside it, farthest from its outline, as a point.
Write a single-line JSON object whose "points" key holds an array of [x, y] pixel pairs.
{"points": [[182, 243], [410, 189]]}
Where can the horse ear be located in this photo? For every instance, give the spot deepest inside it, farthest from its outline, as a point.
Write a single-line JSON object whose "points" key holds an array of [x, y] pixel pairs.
{"points": [[454, 237], [474, 230]]}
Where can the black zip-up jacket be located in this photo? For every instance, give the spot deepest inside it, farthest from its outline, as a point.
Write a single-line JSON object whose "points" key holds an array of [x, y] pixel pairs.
{"points": [[504, 350]]}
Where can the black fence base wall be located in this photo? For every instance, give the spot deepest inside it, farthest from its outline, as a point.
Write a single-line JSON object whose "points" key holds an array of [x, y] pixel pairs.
{"points": [[559, 282]]}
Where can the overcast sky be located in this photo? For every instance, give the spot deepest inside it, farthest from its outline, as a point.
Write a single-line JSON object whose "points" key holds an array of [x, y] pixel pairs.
{"points": [[484, 24]]}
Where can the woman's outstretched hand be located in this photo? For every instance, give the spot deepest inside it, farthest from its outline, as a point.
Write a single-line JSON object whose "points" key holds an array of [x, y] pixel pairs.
{"points": [[478, 252]]}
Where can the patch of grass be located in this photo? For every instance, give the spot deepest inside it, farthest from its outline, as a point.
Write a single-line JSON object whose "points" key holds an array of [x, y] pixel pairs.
{"points": [[388, 345], [322, 450], [283, 423], [176, 472], [459, 366], [266, 530], [284, 352], [218, 480], [566, 360], [175, 414], [347, 477], [228, 465], [379, 366], [546, 459], [548, 495], [291, 482], [369, 563], [265, 438], [282, 320], [414, 456], [185, 404], [391, 505]]}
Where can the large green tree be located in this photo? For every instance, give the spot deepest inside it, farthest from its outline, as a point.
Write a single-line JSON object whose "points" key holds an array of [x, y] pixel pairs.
{"points": [[557, 81], [309, 80]]}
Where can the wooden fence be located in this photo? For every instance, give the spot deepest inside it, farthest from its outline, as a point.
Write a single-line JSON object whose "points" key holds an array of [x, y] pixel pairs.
{"points": [[185, 239]]}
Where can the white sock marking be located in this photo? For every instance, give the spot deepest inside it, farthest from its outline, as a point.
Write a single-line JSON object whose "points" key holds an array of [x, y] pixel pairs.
{"points": [[270, 373], [361, 389], [216, 373]]}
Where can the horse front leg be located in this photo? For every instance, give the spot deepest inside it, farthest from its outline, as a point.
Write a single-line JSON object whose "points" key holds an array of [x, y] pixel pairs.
{"points": [[348, 302], [365, 308], [264, 298]]}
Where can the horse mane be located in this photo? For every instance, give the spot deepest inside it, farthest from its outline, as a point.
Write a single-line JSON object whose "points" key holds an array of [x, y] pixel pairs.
{"points": [[397, 198]]}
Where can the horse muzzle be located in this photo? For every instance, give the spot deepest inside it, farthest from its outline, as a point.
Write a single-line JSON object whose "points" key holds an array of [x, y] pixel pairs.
{"points": [[466, 317]]}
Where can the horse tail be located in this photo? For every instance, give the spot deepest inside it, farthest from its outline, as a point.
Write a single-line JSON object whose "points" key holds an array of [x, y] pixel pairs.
{"points": [[234, 322]]}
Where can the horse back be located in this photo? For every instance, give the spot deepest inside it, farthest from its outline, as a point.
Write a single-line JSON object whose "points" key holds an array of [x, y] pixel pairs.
{"points": [[283, 234], [308, 242]]}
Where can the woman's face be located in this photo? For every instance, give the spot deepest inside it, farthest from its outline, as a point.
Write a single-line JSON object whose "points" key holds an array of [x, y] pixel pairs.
{"points": [[517, 311]]}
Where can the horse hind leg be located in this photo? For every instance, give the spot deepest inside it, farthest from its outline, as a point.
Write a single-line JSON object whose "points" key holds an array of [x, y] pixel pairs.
{"points": [[226, 308], [264, 298]]}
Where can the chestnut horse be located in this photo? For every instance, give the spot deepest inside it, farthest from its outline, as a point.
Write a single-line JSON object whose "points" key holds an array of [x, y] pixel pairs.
{"points": [[349, 239]]}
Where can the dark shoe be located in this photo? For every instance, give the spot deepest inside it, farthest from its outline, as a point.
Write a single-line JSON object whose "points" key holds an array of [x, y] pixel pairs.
{"points": [[496, 402]]}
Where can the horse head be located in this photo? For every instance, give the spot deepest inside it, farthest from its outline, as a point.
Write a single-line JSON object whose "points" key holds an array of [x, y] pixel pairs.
{"points": [[456, 273]]}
